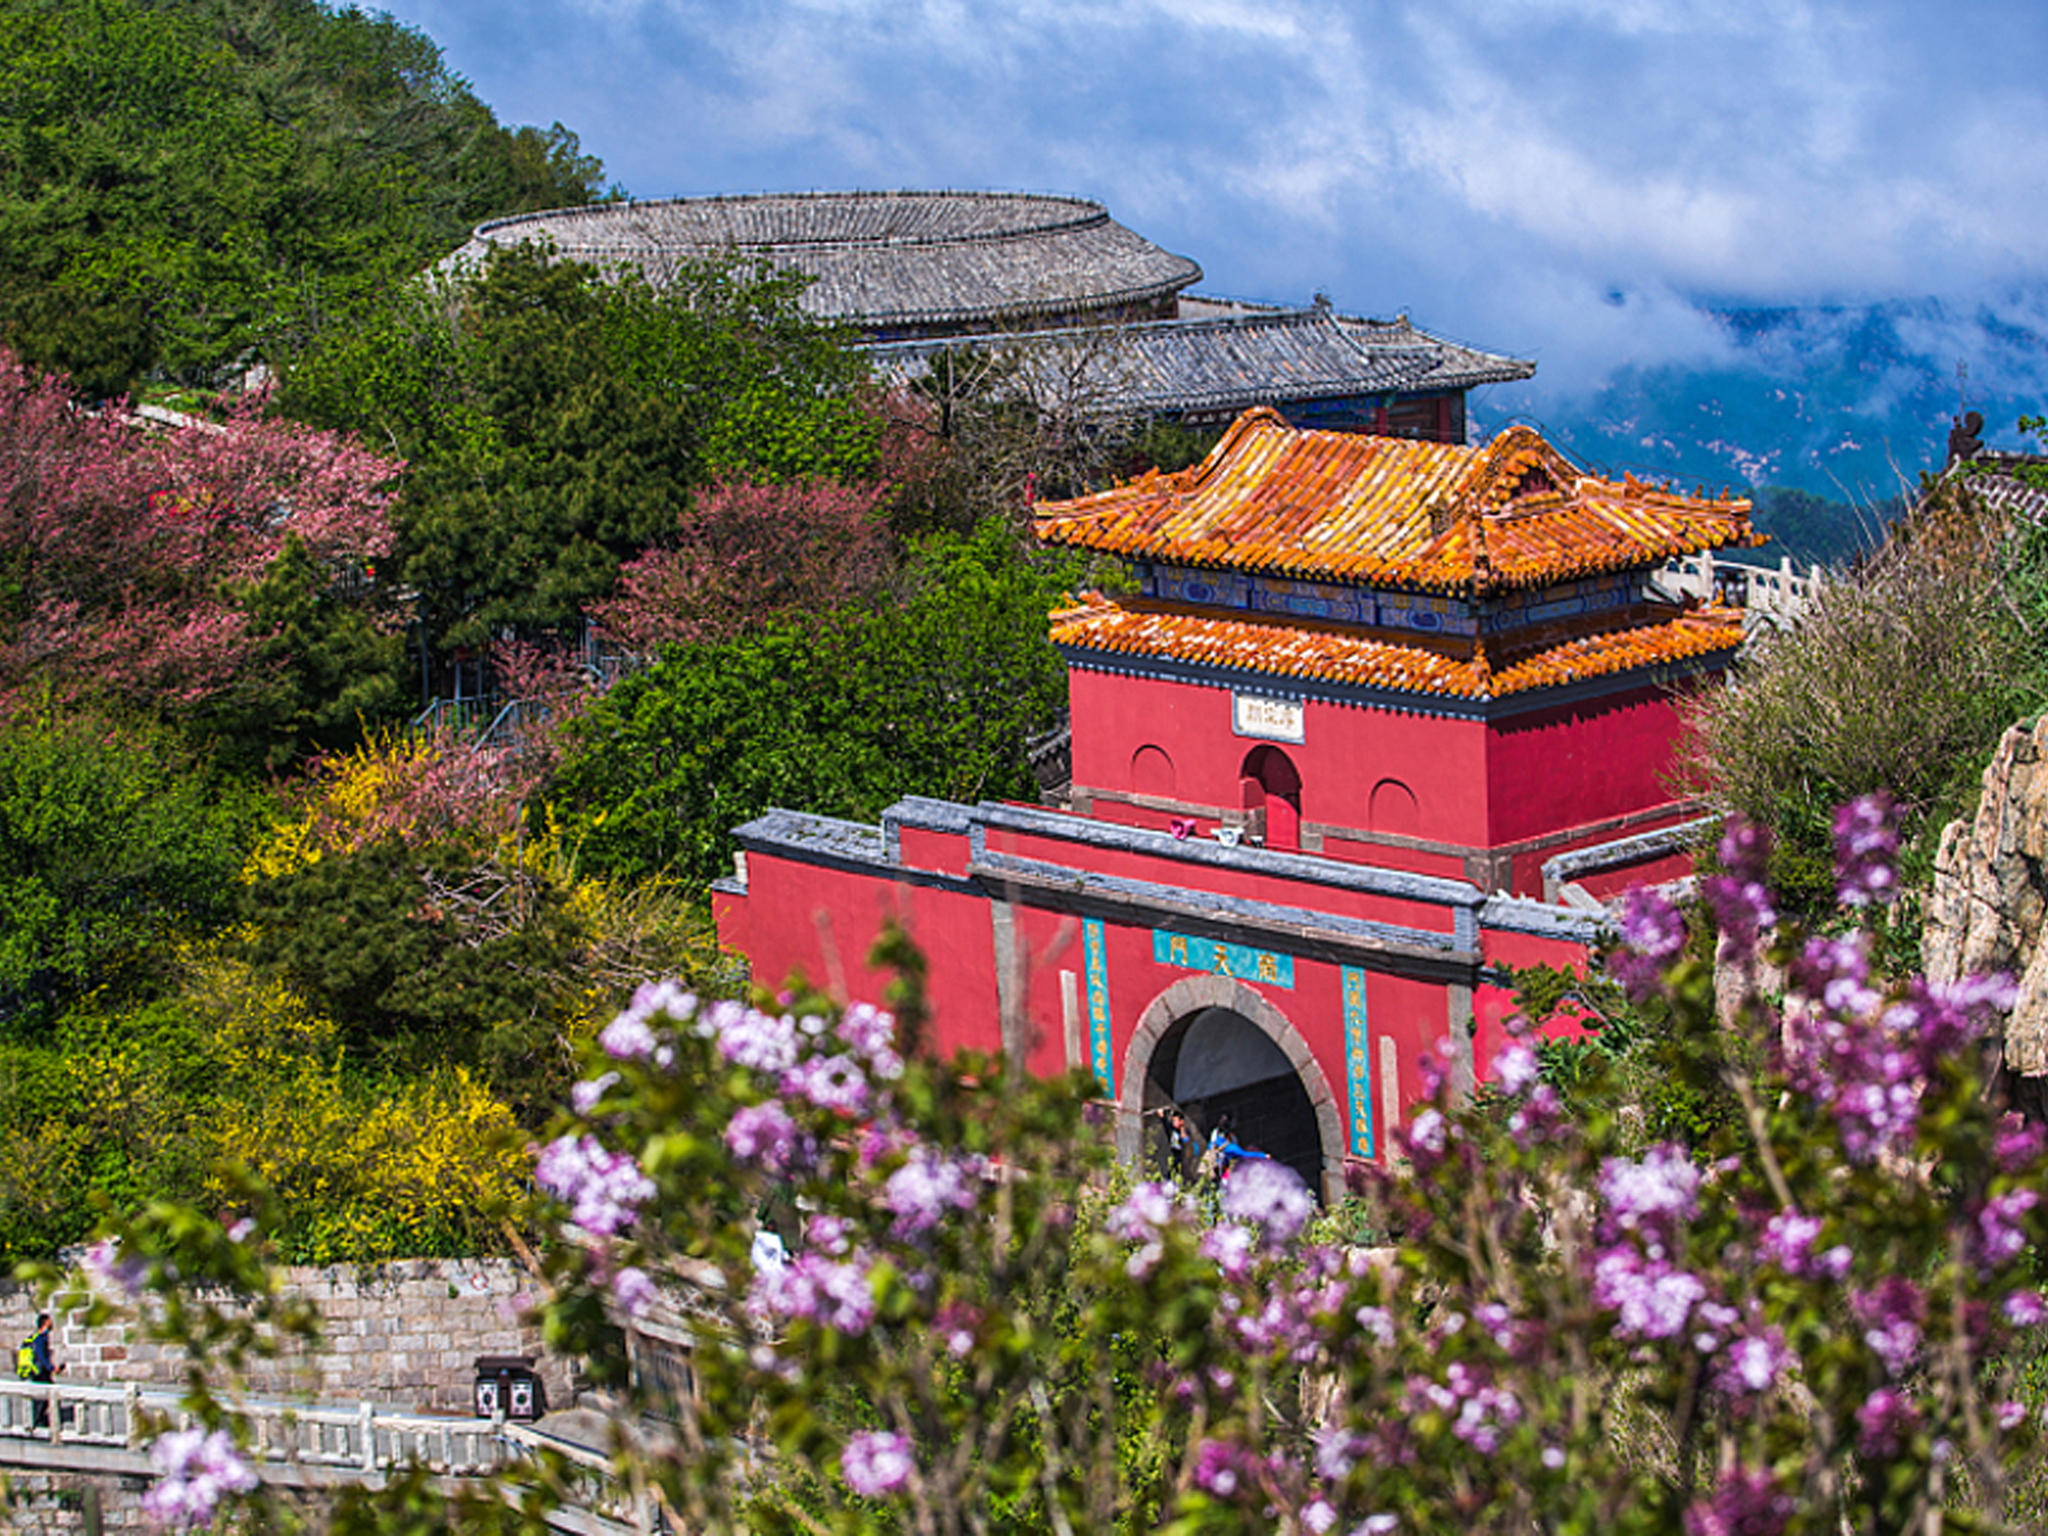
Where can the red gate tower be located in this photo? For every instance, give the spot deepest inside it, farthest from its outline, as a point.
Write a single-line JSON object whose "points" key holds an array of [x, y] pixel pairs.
{"points": [[1381, 717]]}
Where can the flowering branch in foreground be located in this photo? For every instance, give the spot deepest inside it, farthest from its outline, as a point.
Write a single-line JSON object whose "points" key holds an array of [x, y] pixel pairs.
{"points": [[922, 1298], [1795, 1325]]}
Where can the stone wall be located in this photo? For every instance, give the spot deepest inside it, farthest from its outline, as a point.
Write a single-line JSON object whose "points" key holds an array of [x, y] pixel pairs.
{"points": [[402, 1335], [71, 1504]]}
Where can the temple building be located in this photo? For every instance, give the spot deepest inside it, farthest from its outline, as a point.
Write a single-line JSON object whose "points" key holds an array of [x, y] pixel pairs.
{"points": [[1373, 718], [1086, 315]]}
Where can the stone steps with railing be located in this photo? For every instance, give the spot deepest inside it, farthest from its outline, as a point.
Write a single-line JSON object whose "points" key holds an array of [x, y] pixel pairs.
{"points": [[107, 1430]]}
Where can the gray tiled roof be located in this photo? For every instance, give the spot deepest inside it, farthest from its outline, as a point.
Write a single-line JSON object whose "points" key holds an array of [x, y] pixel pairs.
{"points": [[1239, 358], [883, 258]]}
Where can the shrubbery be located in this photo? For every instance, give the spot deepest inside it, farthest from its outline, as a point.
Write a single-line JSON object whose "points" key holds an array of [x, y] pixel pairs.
{"points": [[1899, 678]]}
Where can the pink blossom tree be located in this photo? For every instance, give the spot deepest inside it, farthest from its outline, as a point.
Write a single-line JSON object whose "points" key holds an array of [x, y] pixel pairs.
{"points": [[744, 554], [125, 552]]}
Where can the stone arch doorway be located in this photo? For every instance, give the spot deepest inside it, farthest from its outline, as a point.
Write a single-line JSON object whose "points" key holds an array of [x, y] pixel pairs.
{"points": [[1237, 1053]]}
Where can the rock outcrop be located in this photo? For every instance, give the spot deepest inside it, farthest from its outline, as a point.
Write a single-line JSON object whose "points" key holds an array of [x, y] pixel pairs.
{"points": [[1990, 895]]}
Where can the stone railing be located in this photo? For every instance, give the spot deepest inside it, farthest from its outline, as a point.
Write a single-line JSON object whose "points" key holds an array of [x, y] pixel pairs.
{"points": [[1770, 594]]}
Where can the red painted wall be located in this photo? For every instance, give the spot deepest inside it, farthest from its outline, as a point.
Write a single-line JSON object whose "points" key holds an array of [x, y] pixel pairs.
{"points": [[1246, 883], [822, 922], [1347, 754], [1492, 1006], [1557, 768]]}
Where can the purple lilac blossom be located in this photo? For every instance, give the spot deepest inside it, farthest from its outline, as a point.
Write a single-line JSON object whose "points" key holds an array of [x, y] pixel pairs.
{"points": [[2019, 1144], [1538, 1117], [1753, 1363], [1376, 1321], [1944, 1017], [1337, 1452], [958, 1323], [195, 1469], [1229, 1247], [2024, 1309], [925, 1188], [2001, 1236], [1788, 1239], [1149, 1207], [876, 1463], [761, 1042], [110, 1271], [765, 1135], [1271, 1196], [1885, 1422], [1380, 1524], [1745, 1504], [1317, 1516], [870, 1034], [1480, 1413], [1867, 1063], [1653, 934], [603, 1189], [1654, 1191], [833, 1294], [584, 1097], [1652, 1300], [633, 1291], [627, 1038], [829, 1234], [1424, 1139], [1515, 1067], [1218, 1469], [1744, 909], [1892, 1313], [836, 1084], [1498, 1322], [1866, 843]]}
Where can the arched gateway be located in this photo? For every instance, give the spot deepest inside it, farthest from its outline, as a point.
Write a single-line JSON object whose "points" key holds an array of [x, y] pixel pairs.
{"points": [[1211, 1045]]}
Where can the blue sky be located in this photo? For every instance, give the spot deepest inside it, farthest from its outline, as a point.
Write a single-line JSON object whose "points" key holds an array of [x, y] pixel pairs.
{"points": [[1564, 181]]}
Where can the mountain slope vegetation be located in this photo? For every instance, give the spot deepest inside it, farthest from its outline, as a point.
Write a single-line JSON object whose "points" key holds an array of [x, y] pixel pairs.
{"points": [[186, 185]]}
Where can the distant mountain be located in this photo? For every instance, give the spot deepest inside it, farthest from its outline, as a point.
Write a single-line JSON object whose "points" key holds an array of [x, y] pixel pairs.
{"points": [[1845, 404]]}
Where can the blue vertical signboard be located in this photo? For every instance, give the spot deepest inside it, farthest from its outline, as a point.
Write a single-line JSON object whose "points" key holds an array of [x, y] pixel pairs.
{"points": [[1098, 1003], [1357, 1062]]}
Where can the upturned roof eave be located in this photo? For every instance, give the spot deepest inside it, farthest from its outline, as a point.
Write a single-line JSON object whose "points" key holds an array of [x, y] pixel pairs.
{"points": [[1466, 583]]}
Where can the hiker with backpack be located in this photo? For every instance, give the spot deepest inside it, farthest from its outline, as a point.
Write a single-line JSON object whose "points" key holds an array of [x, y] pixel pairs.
{"points": [[33, 1361]]}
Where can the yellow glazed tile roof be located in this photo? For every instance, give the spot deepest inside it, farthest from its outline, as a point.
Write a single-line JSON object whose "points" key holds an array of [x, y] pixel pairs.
{"points": [[1343, 654], [1391, 511]]}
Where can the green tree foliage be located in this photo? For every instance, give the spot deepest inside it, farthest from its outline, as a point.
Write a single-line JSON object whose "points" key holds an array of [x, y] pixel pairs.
{"points": [[933, 694], [320, 668], [1815, 530], [111, 842], [557, 421], [409, 900], [181, 182]]}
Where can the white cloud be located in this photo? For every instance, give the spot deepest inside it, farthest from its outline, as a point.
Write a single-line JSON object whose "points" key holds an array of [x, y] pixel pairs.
{"points": [[1505, 168]]}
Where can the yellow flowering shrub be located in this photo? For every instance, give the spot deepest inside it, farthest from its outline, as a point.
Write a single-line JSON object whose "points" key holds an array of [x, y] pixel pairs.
{"points": [[380, 789], [376, 1170]]}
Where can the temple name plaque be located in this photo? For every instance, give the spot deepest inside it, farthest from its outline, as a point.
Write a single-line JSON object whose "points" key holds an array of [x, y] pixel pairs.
{"points": [[1269, 719]]}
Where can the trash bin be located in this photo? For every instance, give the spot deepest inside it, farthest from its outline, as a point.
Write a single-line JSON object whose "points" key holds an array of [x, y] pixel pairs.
{"points": [[507, 1384]]}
